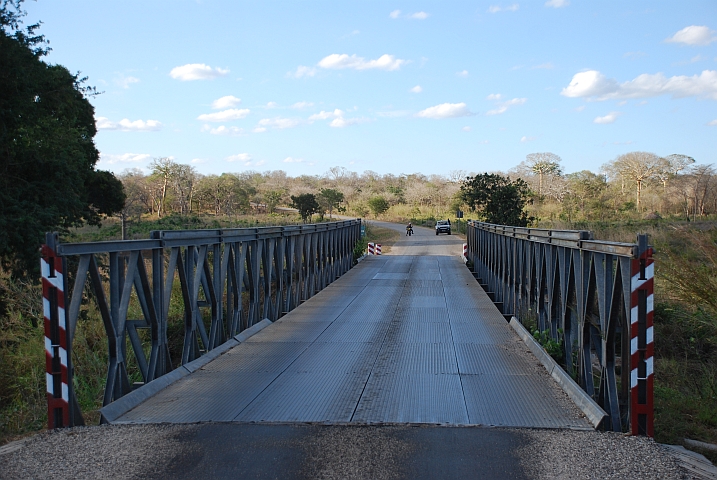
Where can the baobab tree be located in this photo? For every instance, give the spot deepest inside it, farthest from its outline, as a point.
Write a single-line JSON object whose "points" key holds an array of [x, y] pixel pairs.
{"points": [[639, 167], [544, 163]]}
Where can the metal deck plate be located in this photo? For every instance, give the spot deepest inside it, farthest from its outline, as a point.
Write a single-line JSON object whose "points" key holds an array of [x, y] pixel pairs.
{"points": [[397, 339]]}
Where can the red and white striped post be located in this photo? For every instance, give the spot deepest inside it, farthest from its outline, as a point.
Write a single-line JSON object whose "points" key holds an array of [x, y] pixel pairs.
{"points": [[642, 341], [465, 251], [378, 249], [57, 375], [371, 248]]}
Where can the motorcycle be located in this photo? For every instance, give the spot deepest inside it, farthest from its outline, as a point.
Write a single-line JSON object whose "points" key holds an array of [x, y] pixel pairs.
{"points": [[409, 231]]}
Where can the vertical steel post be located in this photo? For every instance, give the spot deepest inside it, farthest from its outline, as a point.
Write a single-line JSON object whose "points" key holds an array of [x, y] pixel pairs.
{"points": [[642, 341]]}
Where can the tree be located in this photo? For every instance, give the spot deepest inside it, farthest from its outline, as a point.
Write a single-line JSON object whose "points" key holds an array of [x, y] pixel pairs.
{"points": [[497, 199], [639, 167], [47, 152], [542, 164], [272, 199], [330, 199], [306, 204], [164, 169], [378, 205]]}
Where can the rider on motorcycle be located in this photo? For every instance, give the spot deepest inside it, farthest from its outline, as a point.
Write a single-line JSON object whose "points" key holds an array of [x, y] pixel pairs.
{"points": [[409, 229]]}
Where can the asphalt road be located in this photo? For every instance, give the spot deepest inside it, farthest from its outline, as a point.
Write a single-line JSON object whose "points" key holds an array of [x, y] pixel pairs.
{"points": [[423, 242]]}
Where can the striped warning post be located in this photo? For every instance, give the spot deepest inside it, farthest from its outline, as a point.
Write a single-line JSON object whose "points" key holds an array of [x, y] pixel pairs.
{"points": [[378, 249], [56, 361], [371, 248], [465, 251], [642, 344]]}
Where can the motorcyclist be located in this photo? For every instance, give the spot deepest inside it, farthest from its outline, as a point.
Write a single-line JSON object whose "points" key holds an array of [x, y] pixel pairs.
{"points": [[409, 229]]}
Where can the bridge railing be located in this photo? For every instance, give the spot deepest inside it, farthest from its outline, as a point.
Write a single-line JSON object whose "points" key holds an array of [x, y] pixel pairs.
{"points": [[593, 298], [227, 280]]}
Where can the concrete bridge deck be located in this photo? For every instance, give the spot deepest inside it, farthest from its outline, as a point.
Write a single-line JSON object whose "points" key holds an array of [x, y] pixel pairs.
{"points": [[408, 338]]}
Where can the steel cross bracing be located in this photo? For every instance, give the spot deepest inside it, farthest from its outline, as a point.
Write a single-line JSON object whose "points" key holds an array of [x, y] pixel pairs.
{"points": [[593, 297], [228, 280]]}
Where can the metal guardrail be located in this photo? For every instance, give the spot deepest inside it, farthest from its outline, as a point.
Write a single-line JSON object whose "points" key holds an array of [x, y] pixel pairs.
{"points": [[593, 297], [229, 279]]}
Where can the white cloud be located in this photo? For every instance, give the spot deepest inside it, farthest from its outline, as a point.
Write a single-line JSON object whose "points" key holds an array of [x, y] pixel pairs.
{"points": [[557, 3], [125, 82], [279, 122], [272, 105], [337, 61], [464, 73], [713, 123], [110, 159], [197, 71], [293, 160], [229, 101], [609, 118], [466, 129], [502, 107], [127, 125], [419, 16], [303, 71], [324, 115], [395, 14], [497, 8], [594, 84], [416, 89], [224, 115], [300, 105], [694, 35], [224, 130], [527, 139], [239, 157], [259, 130], [445, 110], [342, 122]]}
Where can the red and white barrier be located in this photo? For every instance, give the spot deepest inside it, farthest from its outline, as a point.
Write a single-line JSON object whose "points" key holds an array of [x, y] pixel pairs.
{"points": [[374, 248], [642, 345], [56, 362], [465, 251]]}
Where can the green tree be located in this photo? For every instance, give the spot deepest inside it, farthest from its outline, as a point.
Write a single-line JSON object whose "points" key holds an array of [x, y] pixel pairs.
{"points": [[272, 199], [543, 163], [497, 199], [378, 205], [329, 199], [306, 204], [47, 152]]}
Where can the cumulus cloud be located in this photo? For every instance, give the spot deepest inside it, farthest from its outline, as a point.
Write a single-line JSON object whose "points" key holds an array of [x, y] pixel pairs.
{"points": [[239, 157], [416, 89], [293, 160], [557, 3], [229, 101], [303, 71], [197, 71], [419, 16], [279, 122], [497, 8], [713, 123], [300, 105], [125, 82], [466, 129], [609, 118], [126, 125], [224, 115], [395, 14], [223, 130], [593, 84], [445, 110], [337, 118], [337, 61], [694, 35], [502, 107], [259, 130], [324, 115], [527, 139], [110, 159], [463, 73]]}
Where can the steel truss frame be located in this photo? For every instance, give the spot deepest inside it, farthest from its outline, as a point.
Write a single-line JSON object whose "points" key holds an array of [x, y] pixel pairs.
{"points": [[584, 293], [277, 268]]}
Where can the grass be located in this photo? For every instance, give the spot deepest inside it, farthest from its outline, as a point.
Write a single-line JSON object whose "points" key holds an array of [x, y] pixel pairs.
{"points": [[386, 237]]}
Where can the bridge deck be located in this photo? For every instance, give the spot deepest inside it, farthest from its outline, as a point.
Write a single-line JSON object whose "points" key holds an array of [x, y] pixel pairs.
{"points": [[397, 339]]}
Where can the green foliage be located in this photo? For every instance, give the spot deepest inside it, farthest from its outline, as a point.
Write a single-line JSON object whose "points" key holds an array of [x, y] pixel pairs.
{"points": [[378, 205], [47, 152], [497, 199], [306, 204], [330, 198], [553, 347]]}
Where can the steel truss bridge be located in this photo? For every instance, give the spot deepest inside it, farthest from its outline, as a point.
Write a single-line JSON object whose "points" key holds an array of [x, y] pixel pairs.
{"points": [[276, 324]]}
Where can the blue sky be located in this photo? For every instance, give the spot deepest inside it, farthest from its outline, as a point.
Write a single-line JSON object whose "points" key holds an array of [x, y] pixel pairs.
{"points": [[393, 87]]}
